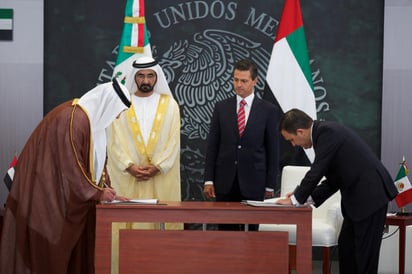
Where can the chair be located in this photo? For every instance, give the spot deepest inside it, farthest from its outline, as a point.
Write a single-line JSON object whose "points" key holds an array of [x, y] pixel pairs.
{"points": [[326, 219]]}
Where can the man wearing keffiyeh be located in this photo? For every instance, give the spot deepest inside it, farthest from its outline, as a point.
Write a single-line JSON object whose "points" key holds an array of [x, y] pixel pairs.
{"points": [[144, 143], [49, 222]]}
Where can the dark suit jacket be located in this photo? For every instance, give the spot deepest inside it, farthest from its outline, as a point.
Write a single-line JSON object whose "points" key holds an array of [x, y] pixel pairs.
{"points": [[350, 166], [254, 157]]}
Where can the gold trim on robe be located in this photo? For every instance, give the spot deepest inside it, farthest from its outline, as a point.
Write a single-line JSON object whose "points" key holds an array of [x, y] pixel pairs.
{"points": [[155, 131]]}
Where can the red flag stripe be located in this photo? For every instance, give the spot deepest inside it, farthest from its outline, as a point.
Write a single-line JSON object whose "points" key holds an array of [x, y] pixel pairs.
{"points": [[13, 162], [140, 27], [404, 198], [141, 8], [291, 19]]}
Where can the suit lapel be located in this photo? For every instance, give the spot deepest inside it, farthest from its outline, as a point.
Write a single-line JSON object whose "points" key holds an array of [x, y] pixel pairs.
{"points": [[252, 114], [232, 113]]}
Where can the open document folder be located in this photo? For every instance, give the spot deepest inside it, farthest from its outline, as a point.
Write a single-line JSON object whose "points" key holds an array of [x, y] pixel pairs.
{"points": [[267, 202], [136, 201]]}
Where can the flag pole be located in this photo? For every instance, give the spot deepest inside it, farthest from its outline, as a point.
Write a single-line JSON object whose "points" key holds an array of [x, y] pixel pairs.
{"points": [[404, 188], [403, 212]]}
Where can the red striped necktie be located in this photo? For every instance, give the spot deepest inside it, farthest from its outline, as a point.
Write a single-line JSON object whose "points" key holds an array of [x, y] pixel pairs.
{"points": [[241, 118]]}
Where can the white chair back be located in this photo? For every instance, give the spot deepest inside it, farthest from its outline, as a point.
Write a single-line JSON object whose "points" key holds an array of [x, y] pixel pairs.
{"points": [[292, 176], [326, 219]]}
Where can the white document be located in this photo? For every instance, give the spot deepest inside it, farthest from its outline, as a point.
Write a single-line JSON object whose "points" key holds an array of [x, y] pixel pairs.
{"points": [[136, 201], [267, 202]]}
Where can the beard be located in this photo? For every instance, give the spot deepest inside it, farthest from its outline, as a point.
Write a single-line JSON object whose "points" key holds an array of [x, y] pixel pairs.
{"points": [[145, 88]]}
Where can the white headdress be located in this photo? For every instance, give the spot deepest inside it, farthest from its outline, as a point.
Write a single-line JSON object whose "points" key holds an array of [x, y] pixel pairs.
{"points": [[146, 62], [102, 105]]}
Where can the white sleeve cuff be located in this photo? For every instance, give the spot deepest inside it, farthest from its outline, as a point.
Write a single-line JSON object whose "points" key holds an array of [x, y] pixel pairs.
{"points": [[294, 201]]}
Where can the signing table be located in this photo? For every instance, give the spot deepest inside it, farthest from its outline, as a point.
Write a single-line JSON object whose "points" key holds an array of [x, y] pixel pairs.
{"points": [[196, 251]]}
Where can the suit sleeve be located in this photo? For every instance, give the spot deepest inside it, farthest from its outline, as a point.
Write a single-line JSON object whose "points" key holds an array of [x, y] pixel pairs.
{"points": [[326, 146]]}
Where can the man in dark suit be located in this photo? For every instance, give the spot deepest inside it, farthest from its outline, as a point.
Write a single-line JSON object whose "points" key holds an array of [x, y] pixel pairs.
{"points": [[242, 150], [350, 166]]}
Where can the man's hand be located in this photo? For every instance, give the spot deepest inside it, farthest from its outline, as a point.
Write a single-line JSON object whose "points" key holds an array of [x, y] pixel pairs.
{"points": [[284, 201], [144, 172], [209, 191], [122, 198], [108, 194]]}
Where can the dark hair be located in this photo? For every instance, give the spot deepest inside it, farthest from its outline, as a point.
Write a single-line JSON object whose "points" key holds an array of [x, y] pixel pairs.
{"points": [[295, 119], [249, 65]]}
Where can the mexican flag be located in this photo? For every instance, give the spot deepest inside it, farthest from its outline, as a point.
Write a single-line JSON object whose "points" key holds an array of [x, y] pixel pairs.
{"points": [[289, 75], [403, 185], [134, 42], [8, 178]]}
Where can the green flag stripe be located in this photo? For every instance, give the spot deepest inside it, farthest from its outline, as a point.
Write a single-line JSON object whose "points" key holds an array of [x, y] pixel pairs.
{"points": [[401, 173], [146, 36], [126, 37], [125, 41], [297, 44], [129, 8], [6, 13]]}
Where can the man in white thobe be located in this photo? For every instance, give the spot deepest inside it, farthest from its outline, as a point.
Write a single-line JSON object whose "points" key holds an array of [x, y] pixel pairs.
{"points": [[144, 145]]}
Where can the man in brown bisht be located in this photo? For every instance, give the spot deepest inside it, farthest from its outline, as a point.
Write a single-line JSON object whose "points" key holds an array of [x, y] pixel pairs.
{"points": [[49, 222]]}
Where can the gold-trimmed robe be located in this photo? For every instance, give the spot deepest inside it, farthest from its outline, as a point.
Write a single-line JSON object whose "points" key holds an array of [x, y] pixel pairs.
{"points": [[49, 222], [125, 146]]}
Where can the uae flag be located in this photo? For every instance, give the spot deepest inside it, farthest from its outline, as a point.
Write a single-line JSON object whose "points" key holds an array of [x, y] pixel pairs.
{"points": [[6, 24], [8, 178], [134, 42], [289, 76], [403, 185]]}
